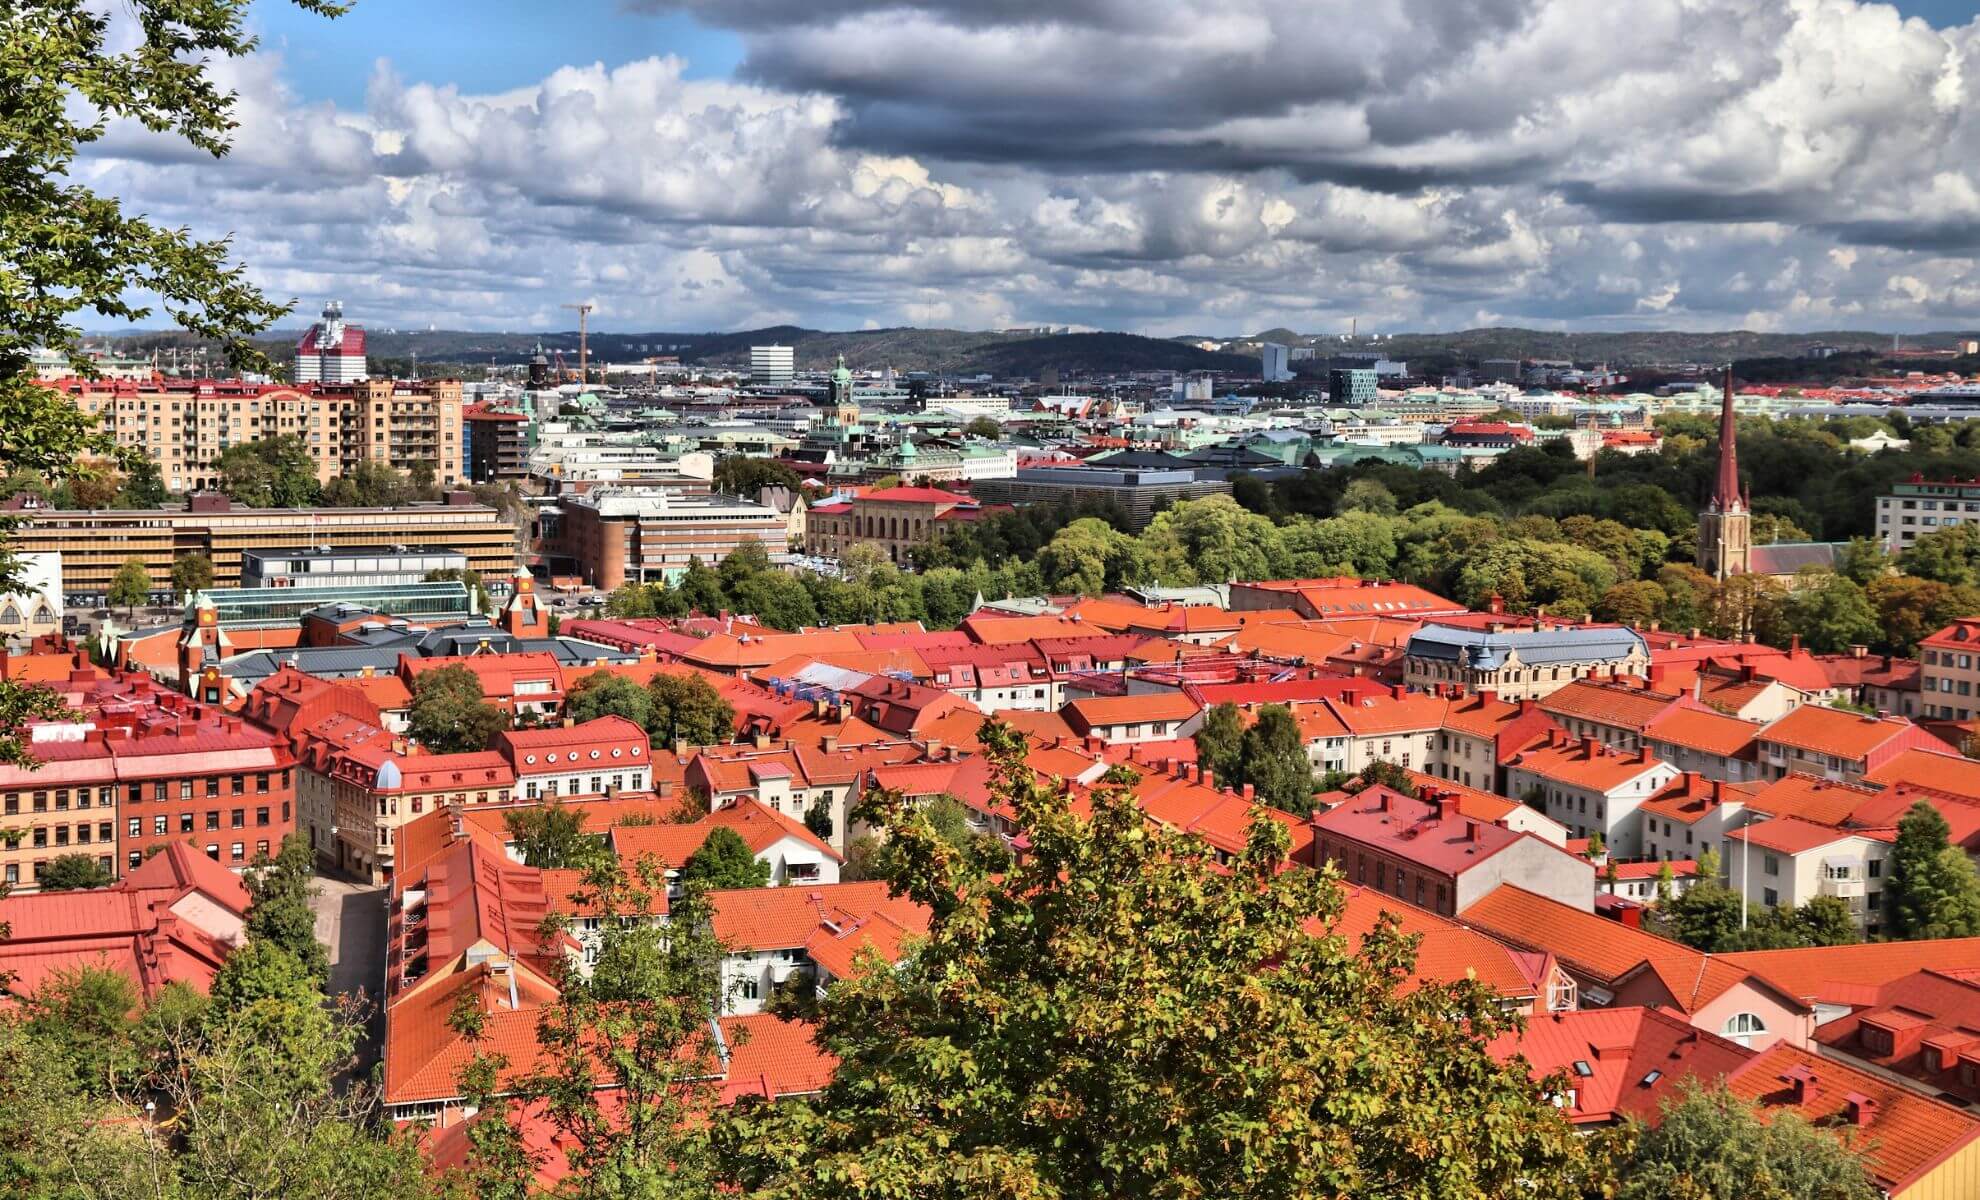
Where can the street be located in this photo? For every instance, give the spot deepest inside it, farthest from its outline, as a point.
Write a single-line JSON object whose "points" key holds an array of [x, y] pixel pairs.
{"points": [[350, 920]]}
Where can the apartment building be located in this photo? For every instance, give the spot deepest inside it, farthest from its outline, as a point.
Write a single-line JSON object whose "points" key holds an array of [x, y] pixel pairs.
{"points": [[1521, 664], [618, 536], [183, 425], [1949, 671], [496, 447], [95, 543], [894, 520], [1919, 505], [1590, 788], [1830, 743]]}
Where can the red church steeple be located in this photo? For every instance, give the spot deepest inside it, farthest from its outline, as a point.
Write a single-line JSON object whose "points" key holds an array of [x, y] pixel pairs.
{"points": [[1726, 495]]}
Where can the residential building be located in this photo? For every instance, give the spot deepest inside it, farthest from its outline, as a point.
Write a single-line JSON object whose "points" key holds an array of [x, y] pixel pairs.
{"points": [[1518, 664], [173, 919], [1428, 852], [184, 425], [1621, 1063], [1613, 711], [497, 449], [773, 936], [1343, 597], [1691, 815], [1916, 1148], [792, 780], [1480, 732], [95, 544], [375, 785], [1162, 716], [606, 756], [1924, 1027], [993, 678], [1137, 493], [796, 856], [1919, 505], [1710, 743], [893, 520], [330, 350], [1788, 861], [618, 536], [1949, 670], [1614, 965], [1834, 744], [1590, 788]]}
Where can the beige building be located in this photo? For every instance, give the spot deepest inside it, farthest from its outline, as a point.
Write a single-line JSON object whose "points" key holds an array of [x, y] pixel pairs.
{"points": [[94, 543], [1521, 664], [1949, 671], [894, 520], [618, 536], [183, 425]]}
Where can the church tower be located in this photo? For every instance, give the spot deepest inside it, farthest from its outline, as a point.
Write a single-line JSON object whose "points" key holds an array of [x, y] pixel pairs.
{"points": [[1725, 527]]}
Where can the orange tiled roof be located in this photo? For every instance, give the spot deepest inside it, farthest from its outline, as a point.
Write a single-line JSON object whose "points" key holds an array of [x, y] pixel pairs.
{"points": [[787, 917], [1704, 730], [1853, 974], [1943, 772], [1908, 1135], [1584, 763], [1823, 801], [1624, 1061], [1620, 704], [1827, 730]]}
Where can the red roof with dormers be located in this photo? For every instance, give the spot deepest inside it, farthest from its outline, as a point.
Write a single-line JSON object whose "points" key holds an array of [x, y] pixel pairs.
{"points": [[1435, 837], [603, 742], [787, 918], [1619, 1062]]}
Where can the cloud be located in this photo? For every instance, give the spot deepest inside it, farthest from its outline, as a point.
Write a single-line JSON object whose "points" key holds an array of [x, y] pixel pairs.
{"points": [[1163, 165]]}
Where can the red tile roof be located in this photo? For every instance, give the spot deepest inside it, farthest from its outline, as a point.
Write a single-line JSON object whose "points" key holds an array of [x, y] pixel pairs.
{"points": [[1620, 1062], [1853, 974], [1901, 1143], [787, 917], [1847, 735], [1438, 838]]}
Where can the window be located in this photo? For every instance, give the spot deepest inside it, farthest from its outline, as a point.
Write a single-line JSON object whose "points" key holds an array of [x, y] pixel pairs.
{"points": [[747, 989], [237, 819], [238, 784], [212, 822], [1876, 868], [237, 852], [1771, 898], [213, 851], [212, 786], [261, 816], [1743, 1027], [185, 822], [1770, 864], [160, 825], [261, 849]]}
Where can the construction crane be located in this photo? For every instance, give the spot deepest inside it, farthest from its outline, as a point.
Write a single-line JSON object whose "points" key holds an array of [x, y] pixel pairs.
{"points": [[584, 356], [563, 372]]}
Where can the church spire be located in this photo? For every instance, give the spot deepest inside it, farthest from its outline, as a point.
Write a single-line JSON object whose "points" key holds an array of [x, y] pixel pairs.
{"points": [[1725, 492]]}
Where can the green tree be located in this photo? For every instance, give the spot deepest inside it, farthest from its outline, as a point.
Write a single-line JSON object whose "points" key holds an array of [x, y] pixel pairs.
{"points": [[700, 590], [1075, 1027], [977, 852], [776, 599], [279, 912], [1910, 610], [469, 578], [263, 970], [983, 427], [449, 714], [1369, 496], [743, 475], [687, 708], [1829, 612], [69, 872], [603, 694], [1275, 762], [1826, 921], [1711, 1145], [1931, 890], [86, 1013], [818, 819], [551, 836], [1220, 740], [276, 472], [142, 486], [725, 861], [370, 484], [131, 585], [1949, 554], [192, 573]]}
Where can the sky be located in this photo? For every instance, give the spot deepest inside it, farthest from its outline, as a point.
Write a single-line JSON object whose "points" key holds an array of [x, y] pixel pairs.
{"points": [[1156, 166]]}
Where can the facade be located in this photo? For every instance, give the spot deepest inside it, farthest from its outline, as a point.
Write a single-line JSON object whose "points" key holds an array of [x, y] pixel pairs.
{"points": [[893, 520], [609, 756], [1351, 387], [772, 366], [37, 611], [1788, 861], [375, 785], [1949, 672], [183, 425], [625, 535], [774, 936], [357, 567], [1273, 364], [1136, 492], [1429, 853], [1830, 743], [95, 543], [331, 351], [1920, 505], [1523, 664], [1589, 788], [497, 447]]}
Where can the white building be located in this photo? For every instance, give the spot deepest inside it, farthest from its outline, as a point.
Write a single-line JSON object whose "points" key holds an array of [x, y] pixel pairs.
{"points": [[1274, 363], [1787, 861], [772, 366], [331, 352]]}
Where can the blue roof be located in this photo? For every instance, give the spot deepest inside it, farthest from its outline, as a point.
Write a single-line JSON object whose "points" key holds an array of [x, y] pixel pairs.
{"points": [[1486, 651]]}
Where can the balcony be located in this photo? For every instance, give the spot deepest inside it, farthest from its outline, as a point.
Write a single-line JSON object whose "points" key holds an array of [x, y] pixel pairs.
{"points": [[1843, 888]]}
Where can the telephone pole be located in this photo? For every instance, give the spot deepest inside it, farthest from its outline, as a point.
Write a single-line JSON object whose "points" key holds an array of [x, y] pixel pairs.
{"points": [[584, 356]]}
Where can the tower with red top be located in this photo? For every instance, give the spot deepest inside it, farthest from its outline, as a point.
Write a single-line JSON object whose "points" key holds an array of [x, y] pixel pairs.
{"points": [[523, 616], [1725, 527]]}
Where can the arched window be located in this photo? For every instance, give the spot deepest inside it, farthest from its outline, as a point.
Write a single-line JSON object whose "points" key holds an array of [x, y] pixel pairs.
{"points": [[10, 615], [44, 615], [1744, 1027]]}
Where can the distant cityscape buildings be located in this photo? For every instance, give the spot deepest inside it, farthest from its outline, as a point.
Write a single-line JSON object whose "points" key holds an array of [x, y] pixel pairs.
{"points": [[1274, 363], [772, 366]]}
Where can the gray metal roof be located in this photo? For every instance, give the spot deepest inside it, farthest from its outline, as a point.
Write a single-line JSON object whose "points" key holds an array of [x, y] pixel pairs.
{"points": [[1785, 558], [1485, 650]]}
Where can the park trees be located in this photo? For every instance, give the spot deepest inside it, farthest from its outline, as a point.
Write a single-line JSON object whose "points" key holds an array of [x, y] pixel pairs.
{"points": [[69, 872], [1711, 1145], [277, 472], [191, 573]]}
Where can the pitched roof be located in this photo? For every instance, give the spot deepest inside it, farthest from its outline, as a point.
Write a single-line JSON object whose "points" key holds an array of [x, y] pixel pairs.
{"points": [[787, 917], [1098, 712], [1908, 1135], [1585, 763], [1853, 974], [1620, 1062], [1436, 837], [1598, 948], [1944, 772], [1446, 951], [1609, 702], [1832, 731], [1704, 730]]}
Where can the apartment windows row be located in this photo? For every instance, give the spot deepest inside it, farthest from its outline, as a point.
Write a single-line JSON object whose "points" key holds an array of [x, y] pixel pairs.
{"points": [[158, 790], [15, 876], [81, 833], [163, 825]]}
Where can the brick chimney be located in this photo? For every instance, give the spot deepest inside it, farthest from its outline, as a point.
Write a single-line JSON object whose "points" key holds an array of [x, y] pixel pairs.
{"points": [[1859, 1110], [1803, 1084]]}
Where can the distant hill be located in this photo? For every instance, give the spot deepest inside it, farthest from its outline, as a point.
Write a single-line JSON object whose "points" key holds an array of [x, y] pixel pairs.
{"points": [[1026, 353]]}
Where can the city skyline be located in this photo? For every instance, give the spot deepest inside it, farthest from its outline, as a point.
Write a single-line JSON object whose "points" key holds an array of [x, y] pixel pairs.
{"points": [[1157, 170]]}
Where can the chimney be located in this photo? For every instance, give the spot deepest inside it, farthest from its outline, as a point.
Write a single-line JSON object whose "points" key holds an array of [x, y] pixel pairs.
{"points": [[828, 743], [1589, 744], [1718, 791], [1858, 650], [1859, 1110], [1488, 696], [1794, 644], [1690, 781], [1398, 691], [933, 749], [1381, 800], [1643, 755], [1249, 793], [1474, 832], [1803, 1084], [762, 741], [680, 747], [1209, 778]]}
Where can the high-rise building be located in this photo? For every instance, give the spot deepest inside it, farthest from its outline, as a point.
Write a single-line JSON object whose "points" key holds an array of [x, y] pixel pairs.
{"points": [[772, 366], [1725, 527], [1273, 362], [1351, 386], [332, 351]]}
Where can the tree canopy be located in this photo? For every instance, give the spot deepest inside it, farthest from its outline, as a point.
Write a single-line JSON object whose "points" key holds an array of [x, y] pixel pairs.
{"points": [[450, 714]]}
